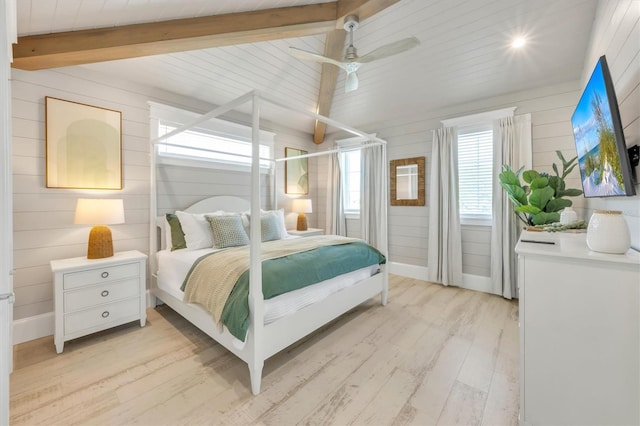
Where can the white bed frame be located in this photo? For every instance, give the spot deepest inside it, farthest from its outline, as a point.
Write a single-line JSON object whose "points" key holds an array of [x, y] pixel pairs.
{"points": [[262, 341]]}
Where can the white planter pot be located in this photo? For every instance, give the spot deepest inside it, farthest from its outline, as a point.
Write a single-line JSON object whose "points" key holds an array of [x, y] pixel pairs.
{"points": [[608, 232]]}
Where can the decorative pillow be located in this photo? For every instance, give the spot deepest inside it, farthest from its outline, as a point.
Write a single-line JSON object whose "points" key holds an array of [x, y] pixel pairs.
{"points": [[197, 233], [282, 228], [227, 231], [177, 240], [269, 227]]}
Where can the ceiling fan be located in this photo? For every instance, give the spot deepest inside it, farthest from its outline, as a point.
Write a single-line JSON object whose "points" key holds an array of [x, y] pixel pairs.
{"points": [[352, 62]]}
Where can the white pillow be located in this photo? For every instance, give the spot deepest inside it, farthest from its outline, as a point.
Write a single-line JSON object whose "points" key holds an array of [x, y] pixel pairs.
{"points": [[197, 232]]}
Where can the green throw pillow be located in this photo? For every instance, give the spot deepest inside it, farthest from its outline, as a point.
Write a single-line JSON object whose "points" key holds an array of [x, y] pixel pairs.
{"points": [[227, 231], [177, 236]]}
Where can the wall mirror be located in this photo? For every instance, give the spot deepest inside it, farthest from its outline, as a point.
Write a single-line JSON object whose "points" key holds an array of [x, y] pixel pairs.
{"points": [[407, 181]]}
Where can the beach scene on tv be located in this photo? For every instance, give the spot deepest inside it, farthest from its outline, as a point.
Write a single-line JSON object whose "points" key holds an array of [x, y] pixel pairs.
{"points": [[598, 156]]}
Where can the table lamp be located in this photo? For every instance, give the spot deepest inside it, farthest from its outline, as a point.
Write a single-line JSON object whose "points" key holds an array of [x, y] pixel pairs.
{"points": [[301, 206], [99, 212]]}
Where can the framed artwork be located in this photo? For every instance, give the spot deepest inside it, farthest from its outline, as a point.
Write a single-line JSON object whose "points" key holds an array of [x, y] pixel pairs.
{"points": [[296, 172], [83, 146]]}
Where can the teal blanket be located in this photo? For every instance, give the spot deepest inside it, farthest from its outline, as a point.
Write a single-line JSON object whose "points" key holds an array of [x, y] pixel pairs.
{"points": [[285, 274]]}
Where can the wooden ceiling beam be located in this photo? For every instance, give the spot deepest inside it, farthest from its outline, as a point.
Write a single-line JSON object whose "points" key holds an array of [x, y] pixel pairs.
{"points": [[178, 35], [333, 48], [155, 38]]}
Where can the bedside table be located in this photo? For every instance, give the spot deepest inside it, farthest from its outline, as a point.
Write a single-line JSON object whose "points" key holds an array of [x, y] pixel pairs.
{"points": [[91, 295], [308, 233]]}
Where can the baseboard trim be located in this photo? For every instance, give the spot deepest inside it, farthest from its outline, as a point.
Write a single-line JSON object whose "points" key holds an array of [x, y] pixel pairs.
{"points": [[32, 328], [477, 283], [409, 271], [43, 325], [470, 282]]}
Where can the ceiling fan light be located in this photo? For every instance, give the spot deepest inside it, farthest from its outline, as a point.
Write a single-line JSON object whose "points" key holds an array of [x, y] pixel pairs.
{"points": [[351, 82]]}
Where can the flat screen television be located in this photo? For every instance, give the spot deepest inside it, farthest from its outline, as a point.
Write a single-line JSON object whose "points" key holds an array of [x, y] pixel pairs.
{"points": [[605, 169]]}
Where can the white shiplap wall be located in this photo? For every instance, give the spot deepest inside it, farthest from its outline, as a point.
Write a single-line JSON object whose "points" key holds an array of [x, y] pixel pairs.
{"points": [[616, 34], [43, 217], [551, 109]]}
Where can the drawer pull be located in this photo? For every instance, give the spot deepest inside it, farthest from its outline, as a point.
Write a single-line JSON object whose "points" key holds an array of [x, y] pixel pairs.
{"points": [[105, 314], [104, 293], [105, 274]]}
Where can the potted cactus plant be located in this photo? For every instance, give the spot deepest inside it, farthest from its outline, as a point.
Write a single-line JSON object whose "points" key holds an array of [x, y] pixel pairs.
{"points": [[540, 200]]}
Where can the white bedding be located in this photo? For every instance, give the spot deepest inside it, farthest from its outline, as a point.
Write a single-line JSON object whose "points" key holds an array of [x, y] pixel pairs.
{"points": [[174, 266]]}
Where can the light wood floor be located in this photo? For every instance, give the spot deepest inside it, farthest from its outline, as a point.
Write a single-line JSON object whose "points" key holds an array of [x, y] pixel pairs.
{"points": [[433, 355]]}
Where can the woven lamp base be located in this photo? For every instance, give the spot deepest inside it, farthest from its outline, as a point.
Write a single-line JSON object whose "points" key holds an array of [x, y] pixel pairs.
{"points": [[100, 243], [302, 222]]}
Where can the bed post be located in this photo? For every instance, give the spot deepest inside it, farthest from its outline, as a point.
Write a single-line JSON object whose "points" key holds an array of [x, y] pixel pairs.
{"points": [[256, 308], [153, 213], [384, 295], [384, 223]]}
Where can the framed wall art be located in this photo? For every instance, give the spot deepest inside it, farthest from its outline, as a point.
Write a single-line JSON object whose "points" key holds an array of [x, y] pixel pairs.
{"points": [[296, 172], [83, 146]]}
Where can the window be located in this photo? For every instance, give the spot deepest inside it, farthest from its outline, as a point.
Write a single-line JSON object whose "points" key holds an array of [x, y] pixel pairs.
{"points": [[475, 174], [226, 143], [350, 165], [351, 175], [202, 144]]}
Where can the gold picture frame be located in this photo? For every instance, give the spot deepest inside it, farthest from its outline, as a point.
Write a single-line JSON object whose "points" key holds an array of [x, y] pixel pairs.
{"points": [[296, 172], [83, 146]]}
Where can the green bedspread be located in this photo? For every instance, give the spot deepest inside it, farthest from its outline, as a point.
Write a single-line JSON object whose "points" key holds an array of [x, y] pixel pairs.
{"points": [[295, 271]]}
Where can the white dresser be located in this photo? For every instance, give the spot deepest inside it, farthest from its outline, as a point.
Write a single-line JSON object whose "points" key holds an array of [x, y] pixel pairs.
{"points": [[579, 333], [91, 295]]}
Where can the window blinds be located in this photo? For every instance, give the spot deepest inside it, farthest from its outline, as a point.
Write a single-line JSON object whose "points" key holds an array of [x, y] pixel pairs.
{"points": [[475, 168]]}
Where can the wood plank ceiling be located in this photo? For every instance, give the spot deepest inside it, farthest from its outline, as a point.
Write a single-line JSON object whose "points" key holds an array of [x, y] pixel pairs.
{"points": [[464, 54]]}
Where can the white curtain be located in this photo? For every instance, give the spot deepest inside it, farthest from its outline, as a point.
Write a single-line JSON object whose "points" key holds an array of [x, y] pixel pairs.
{"points": [[444, 254], [373, 196], [335, 223], [512, 146]]}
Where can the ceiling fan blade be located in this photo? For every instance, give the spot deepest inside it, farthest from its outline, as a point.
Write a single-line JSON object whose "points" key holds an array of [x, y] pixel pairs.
{"points": [[303, 54], [390, 49], [351, 83]]}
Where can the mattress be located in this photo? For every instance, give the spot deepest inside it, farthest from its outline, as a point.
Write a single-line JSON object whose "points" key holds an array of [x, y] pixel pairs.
{"points": [[174, 266]]}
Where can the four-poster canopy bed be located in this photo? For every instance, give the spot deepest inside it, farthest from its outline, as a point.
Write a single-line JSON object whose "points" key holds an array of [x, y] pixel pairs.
{"points": [[267, 332]]}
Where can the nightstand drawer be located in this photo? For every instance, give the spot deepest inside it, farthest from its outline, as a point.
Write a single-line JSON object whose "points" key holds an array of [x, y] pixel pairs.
{"points": [[101, 315], [99, 275], [100, 294]]}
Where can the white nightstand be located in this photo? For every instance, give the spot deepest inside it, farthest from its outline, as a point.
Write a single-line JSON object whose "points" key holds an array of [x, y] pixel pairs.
{"points": [[91, 295], [308, 233]]}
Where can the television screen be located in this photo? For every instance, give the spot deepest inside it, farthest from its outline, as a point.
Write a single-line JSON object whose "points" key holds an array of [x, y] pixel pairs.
{"points": [[602, 153]]}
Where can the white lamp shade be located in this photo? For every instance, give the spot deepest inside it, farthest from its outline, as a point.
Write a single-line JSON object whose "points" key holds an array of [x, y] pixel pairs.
{"points": [[96, 211], [301, 205]]}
